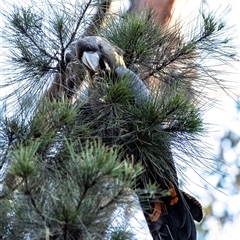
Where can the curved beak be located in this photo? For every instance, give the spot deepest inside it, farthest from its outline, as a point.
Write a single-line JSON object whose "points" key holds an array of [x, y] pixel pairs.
{"points": [[91, 60]]}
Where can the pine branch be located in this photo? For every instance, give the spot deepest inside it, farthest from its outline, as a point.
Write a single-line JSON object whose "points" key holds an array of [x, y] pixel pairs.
{"points": [[83, 15], [67, 157], [97, 21]]}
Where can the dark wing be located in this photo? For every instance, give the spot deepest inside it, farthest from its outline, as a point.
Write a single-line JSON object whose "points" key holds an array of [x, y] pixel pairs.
{"points": [[171, 218]]}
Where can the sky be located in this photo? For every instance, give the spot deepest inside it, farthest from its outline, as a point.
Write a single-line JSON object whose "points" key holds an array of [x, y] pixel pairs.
{"points": [[227, 117]]}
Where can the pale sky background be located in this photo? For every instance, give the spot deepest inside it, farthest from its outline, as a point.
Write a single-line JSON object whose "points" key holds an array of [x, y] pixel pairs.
{"points": [[224, 117]]}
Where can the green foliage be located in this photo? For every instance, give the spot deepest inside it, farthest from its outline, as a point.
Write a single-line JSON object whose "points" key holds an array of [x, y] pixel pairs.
{"points": [[118, 92], [118, 234], [23, 159], [144, 130], [69, 165], [62, 152], [169, 58], [136, 34], [36, 38], [71, 199]]}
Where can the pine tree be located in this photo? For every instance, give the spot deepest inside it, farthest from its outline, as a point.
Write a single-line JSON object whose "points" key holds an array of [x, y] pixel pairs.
{"points": [[67, 165]]}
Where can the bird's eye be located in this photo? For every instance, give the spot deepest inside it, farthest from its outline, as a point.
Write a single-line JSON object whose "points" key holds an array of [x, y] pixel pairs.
{"points": [[100, 46]]}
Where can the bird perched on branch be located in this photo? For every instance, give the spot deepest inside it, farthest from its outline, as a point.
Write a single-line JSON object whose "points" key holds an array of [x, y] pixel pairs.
{"points": [[169, 217], [103, 58]]}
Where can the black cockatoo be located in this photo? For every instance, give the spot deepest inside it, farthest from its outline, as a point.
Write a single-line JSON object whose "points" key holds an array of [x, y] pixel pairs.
{"points": [[103, 58], [169, 217]]}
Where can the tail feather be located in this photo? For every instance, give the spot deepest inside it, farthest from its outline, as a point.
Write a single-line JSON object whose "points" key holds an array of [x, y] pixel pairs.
{"points": [[172, 217], [194, 206]]}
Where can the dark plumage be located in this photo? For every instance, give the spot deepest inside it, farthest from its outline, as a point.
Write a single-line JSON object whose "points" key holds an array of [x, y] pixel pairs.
{"points": [[170, 217]]}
